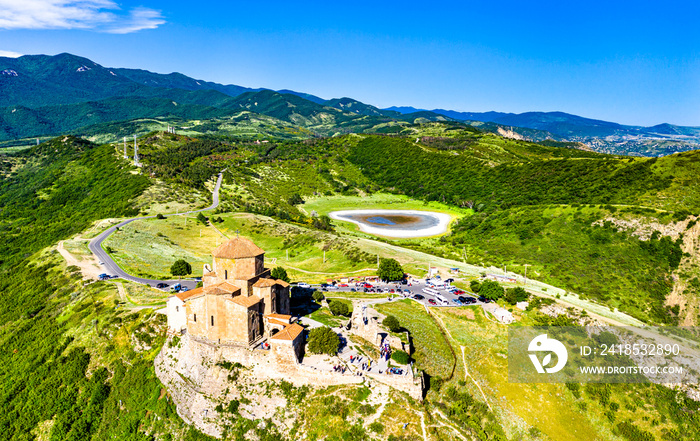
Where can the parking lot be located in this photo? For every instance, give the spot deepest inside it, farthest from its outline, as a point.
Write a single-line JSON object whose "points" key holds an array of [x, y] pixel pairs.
{"points": [[412, 289]]}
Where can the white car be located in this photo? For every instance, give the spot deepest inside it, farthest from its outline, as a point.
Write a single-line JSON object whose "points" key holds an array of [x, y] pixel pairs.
{"points": [[303, 285]]}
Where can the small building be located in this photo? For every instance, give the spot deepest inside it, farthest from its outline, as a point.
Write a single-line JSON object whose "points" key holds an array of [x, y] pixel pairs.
{"points": [[503, 316], [501, 278], [522, 305]]}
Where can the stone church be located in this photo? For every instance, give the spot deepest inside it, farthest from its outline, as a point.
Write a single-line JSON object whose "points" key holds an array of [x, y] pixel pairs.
{"points": [[239, 303]]}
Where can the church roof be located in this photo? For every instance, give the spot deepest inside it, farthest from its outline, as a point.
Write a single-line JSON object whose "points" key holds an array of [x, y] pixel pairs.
{"points": [[245, 301], [187, 294], [221, 288], [237, 248], [279, 316], [264, 283], [291, 332]]}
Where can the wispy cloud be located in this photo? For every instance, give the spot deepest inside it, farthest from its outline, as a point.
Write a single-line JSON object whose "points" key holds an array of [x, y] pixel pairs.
{"points": [[97, 15], [9, 54], [138, 19]]}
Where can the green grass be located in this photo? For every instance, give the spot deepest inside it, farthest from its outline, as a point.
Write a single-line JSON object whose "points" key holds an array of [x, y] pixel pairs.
{"points": [[149, 247], [324, 315], [552, 408], [432, 351]]}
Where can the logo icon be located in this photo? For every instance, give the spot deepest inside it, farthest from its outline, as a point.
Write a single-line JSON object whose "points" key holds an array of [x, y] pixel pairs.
{"points": [[543, 344]]}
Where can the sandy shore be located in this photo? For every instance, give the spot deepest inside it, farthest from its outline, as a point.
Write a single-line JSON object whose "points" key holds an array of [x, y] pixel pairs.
{"points": [[443, 220]]}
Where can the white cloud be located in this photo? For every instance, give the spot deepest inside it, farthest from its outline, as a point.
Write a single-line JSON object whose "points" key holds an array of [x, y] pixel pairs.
{"points": [[97, 15], [10, 54], [139, 18]]}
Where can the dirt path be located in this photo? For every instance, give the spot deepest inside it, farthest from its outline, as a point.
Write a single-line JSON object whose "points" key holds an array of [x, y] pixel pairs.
{"points": [[88, 266], [422, 425], [468, 375], [444, 424]]}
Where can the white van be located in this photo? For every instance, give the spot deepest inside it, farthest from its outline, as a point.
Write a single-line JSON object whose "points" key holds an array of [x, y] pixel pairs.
{"points": [[441, 298]]}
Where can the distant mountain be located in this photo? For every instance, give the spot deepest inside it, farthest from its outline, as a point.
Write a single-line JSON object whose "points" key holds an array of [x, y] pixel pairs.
{"points": [[46, 95], [354, 106]]}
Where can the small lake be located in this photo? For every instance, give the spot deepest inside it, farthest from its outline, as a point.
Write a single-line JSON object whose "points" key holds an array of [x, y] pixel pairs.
{"points": [[396, 223]]}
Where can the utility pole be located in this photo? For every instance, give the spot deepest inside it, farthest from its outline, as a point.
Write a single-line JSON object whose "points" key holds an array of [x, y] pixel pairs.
{"points": [[125, 156], [526, 265], [136, 153]]}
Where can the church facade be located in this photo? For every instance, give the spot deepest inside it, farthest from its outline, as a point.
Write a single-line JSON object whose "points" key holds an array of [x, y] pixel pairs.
{"points": [[239, 303]]}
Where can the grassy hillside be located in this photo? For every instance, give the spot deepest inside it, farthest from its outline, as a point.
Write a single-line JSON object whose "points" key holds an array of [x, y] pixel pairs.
{"points": [[536, 204]]}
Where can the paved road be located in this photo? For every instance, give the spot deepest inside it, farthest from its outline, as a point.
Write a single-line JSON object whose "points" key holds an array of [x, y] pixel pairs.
{"points": [[110, 266]]}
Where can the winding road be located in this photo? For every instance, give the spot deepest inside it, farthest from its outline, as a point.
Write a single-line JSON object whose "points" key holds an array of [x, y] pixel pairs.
{"points": [[111, 267]]}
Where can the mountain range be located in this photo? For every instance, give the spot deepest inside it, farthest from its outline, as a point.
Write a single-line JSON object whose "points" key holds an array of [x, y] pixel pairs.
{"points": [[48, 95]]}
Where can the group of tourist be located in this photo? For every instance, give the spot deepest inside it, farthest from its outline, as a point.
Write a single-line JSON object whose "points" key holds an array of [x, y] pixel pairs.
{"points": [[339, 368], [385, 351]]}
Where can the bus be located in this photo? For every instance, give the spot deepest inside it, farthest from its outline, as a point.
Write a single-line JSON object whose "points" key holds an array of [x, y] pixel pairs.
{"points": [[430, 291]]}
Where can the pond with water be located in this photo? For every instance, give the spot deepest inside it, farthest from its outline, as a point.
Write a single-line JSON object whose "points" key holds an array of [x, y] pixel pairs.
{"points": [[396, 223]]}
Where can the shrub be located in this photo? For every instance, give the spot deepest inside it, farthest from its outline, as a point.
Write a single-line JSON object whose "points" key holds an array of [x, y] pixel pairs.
{"points": [[392, 323], [515, 295], [475, 286], [339, 308], [491, 290], [160, 216], [323, 341], [400, 357]]}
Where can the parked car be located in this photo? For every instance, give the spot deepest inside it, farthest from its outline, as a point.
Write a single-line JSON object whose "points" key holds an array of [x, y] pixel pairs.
{"points": [[457, 301], [161, 285], [343, 285], [458, 292], [407, 291], [418, 296], [332, 287], [484, 299], [432, 302], [353, 290], [303, 285], [184, 289]]}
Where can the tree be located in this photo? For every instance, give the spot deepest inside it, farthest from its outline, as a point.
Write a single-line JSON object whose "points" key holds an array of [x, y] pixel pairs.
{"points": [[318, 296], [323, 341], [474, 285], [491, 290], [392, 323], [390, 270], [160, 216], [202, 218], [515, 295], [295, 199], [181, 268], [339, 308], [280, 274]]}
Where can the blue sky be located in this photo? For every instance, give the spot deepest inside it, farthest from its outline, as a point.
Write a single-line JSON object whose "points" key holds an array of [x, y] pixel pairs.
{"points": [[633, 63]]}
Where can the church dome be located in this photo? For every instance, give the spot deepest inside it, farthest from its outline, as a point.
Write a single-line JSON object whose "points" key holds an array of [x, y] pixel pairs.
{"points": [[237, 248]]}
